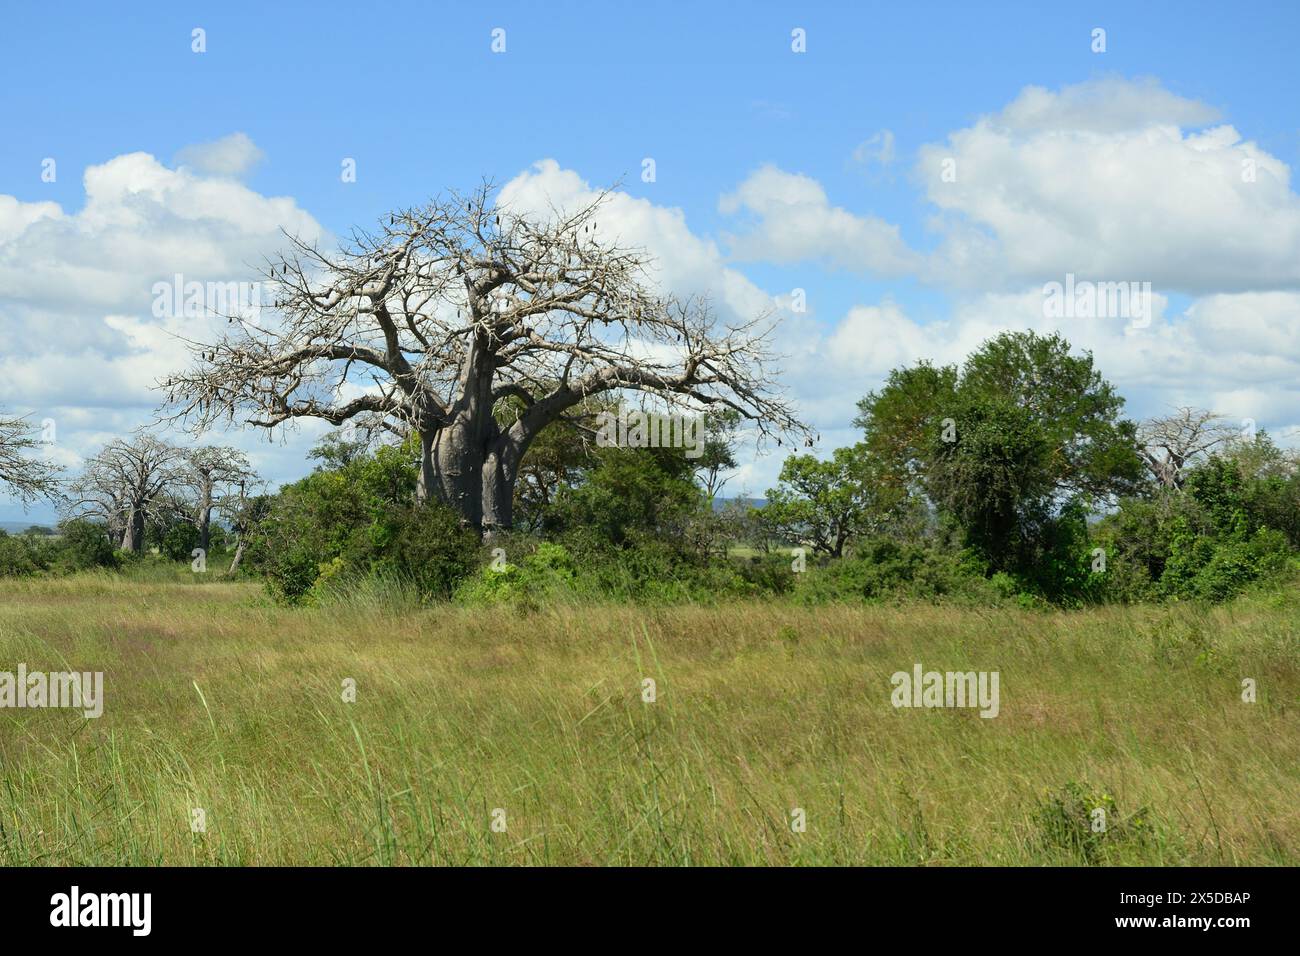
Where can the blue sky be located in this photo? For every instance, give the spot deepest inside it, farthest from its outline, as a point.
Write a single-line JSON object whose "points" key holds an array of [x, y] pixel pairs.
{"points": [[811, 170]]}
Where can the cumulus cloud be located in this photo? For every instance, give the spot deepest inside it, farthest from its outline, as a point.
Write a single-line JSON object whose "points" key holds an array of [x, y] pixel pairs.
{"points": [[233, 155], [83, 343], [683, 263], [1111, 180], [791, 219], [1105, 180], [1235, 354], [62, 274], [1106, 105]]}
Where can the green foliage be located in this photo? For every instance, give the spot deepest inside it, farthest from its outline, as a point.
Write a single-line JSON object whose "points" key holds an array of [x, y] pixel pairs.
{"points": [[1085, 822], [84, 545], [630, 494], [548, 571], [179, 541], [1000, 445], [883, 569], [428, 547], [359, 519], [768, 573], [80, 545], [22, 555], [828, 503], [1209, 542]]}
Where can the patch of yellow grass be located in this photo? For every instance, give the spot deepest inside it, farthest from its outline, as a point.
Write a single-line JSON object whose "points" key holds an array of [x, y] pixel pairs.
{"points": [[217, 700]]}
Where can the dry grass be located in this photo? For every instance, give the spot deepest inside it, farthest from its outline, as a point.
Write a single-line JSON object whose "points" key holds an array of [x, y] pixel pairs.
{"points": [[217, 700]]}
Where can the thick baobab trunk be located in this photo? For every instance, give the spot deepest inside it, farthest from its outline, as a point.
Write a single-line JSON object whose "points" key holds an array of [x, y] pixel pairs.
{"points": [[500, 471], [451, 469], [473, 474], [133, 536], [454, 451]]}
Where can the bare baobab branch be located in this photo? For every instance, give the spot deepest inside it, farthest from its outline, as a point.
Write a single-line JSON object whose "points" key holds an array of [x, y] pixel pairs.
{"points": [[128, 483], [23, 476], [1169, 444], [447, 309]]}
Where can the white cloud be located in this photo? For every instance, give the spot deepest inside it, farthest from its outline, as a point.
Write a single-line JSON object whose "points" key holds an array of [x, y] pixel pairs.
{"points": [[1107, 105], [141, 222], [76, 290], [1111, 180], [684, 263], [1235, 354], [791, 220], [1103, 180], [233, 155]]}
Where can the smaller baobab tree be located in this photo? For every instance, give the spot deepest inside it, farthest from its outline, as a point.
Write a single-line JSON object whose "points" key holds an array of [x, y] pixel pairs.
{"points": [[21, 475], [127, 484], [1170, 444], [243, 511], [215, 473], [426, 325]]}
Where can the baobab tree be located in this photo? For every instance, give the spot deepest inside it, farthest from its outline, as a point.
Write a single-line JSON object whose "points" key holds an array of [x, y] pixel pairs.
{"points": [[243, 512], [427, 324], [128, 483], [1170, 443], [215, 472], [21, 475]]}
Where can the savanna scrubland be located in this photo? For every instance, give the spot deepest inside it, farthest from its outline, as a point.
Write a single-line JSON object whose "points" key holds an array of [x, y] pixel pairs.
{"points": [[376, 683]]}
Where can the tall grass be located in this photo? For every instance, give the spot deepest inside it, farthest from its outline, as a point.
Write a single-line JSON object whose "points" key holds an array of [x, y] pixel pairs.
{"points": [[218, 700]]}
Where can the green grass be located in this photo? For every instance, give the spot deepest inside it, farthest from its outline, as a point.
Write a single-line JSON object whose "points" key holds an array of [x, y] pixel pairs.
{"points": [[216, 699]]}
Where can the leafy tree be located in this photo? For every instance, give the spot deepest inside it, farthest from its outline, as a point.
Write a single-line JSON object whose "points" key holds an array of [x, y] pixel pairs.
{"points": [[631, 495], [338, 448], [85, 544], [179, 541], [902, 418], [719, 455], [1006, 442], [827, 503], [454, 305]]}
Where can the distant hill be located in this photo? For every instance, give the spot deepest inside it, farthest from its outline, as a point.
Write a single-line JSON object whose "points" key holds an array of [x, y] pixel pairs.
{"points": [[14, 527], [720, 504]]}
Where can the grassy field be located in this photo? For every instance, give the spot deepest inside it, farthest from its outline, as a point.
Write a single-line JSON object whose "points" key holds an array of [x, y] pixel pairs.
{"points": [[216, 699]]}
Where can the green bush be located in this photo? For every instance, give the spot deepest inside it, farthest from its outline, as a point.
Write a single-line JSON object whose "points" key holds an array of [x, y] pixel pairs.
{"points": [[179, 541], [428, 546], [1085, 822], [541, 570], [291, 574], [22, 555], [884, 569], [83, 545], [769, 573]]}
